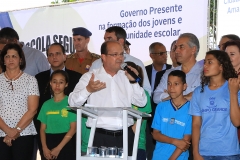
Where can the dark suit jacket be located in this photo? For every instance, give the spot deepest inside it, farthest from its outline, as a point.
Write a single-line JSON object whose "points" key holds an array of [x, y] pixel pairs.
{"points": [[149, 73], [157, 80], [159, 76], [44, 87]]}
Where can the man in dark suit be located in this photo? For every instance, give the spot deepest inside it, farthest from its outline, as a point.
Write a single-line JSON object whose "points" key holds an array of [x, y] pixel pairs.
{"points": [[158, 55], [56, 56]]}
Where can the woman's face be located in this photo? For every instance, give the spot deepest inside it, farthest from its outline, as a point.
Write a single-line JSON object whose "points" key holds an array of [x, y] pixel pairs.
{"points": [[211, 66], [12, 59], [234, 54]]}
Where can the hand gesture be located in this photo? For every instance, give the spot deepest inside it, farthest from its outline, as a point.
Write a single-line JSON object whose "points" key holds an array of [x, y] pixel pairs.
{"points": [[47, 153], [128, 75], [55, 152], [182, 144], [233, 85], [94, 86]]}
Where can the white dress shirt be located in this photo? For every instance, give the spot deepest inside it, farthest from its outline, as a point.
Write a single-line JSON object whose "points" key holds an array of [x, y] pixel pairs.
{"points": [[119, 92], [146, 84], [193, 79]]}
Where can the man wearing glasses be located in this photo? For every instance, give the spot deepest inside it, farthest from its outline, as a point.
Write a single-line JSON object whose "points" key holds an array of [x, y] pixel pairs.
{"points": [[117, 33], [109, 86], [158, 55]]}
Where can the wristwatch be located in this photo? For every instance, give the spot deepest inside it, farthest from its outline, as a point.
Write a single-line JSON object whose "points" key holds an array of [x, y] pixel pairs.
{"points": [[18, 128]]}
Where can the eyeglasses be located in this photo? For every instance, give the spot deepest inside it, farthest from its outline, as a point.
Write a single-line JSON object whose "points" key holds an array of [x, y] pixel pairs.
{"points": [[116, 55], [161, 53]]}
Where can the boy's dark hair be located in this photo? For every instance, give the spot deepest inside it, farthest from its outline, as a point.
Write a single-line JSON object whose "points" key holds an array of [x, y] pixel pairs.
{"points": [[180, 74], [64, 74]]}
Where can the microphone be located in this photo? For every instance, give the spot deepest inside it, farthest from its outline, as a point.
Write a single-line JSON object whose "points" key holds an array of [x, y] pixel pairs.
{"points": [[125, 68]]}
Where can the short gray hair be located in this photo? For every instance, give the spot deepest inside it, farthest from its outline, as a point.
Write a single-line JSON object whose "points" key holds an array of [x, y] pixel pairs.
{"points": [[193, 41]]}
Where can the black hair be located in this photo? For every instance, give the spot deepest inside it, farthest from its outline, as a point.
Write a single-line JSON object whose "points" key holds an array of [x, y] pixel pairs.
{"points": [[152, 46], [8, 34], [232, 43], [57, 44], [224, 60], [119, 32], [231, 37], [19, 50], [139, 69], [64, 74], [178, 73]]}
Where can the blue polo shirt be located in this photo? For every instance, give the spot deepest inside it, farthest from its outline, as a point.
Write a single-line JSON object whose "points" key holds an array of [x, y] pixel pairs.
{"points": [[172, 123]]}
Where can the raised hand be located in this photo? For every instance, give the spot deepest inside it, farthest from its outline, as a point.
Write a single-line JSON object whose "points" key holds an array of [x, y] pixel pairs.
{"points": [[94, 86], [233, 85], [128, 75]]}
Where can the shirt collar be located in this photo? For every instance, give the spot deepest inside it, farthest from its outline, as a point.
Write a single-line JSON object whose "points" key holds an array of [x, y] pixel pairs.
{"points": [[51, 70]]}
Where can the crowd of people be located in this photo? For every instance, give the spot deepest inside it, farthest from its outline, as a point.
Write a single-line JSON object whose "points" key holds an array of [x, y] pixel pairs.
{"points": [[194, 104]]}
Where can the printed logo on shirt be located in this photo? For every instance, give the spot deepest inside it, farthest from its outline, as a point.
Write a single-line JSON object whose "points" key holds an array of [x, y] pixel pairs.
{"points": [[212, 102], [173, 121], [64, 112], [53, 112], [212, 107]]}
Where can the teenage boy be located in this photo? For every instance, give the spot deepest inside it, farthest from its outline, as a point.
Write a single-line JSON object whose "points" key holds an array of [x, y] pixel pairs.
{"points": [[172, 123]]}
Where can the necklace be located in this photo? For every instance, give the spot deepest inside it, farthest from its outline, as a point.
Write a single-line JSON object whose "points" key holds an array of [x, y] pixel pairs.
{"points": [[11, 80]]}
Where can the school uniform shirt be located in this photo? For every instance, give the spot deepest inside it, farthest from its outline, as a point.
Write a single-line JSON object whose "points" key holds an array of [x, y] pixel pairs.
{"points": [[57, 116], [172, 123], [119, 92], [14, 103], [218, 136], [193, 79]]}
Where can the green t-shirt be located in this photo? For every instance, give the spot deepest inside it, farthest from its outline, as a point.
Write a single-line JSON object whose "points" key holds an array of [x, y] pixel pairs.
{"points": [[56, 116], [147, 109], [85, 134]]}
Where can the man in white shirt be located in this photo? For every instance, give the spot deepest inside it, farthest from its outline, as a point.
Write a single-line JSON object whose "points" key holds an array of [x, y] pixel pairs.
{"points": [[119, 34], [109, 86], [187, 48]]}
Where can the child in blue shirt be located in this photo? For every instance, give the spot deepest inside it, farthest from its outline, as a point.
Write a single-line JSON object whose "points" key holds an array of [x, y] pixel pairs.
{"points": [[214, 135], [172, 124]]}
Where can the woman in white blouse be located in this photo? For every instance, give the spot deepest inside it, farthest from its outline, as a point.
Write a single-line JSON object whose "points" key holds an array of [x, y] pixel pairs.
{"points": [[19, 97]]}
